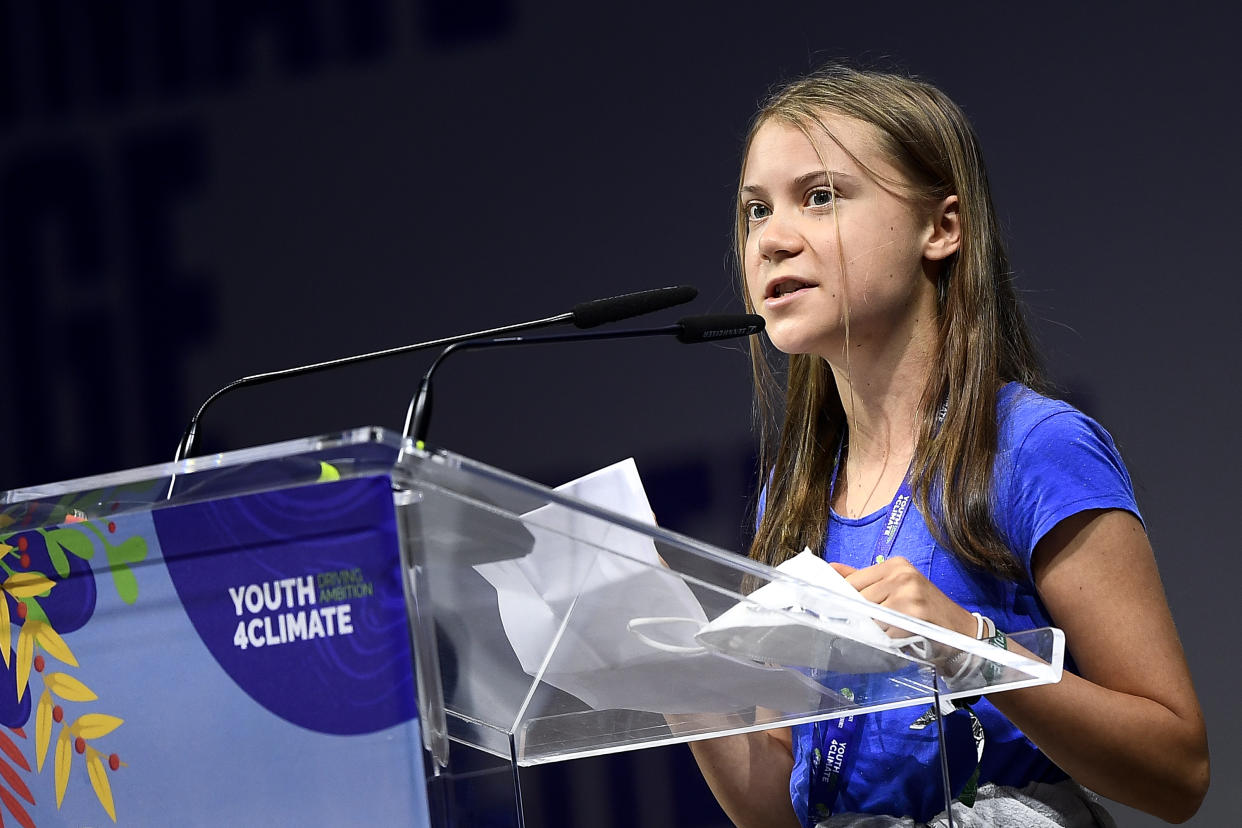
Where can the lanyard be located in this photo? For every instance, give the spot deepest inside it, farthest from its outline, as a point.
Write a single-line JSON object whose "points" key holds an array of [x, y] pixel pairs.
{"points": [[834, 743]]}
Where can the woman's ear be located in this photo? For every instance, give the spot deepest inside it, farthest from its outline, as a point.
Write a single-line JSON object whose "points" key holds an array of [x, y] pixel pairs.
{"points": [[946, 230]]}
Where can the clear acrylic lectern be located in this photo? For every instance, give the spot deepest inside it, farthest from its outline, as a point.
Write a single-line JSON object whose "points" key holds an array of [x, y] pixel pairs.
{"points": [[347, 629], [549, 629]]}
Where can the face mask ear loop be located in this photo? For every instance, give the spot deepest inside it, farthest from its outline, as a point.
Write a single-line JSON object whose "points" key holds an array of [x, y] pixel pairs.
{"points": [[918, 645], [635, 623]]}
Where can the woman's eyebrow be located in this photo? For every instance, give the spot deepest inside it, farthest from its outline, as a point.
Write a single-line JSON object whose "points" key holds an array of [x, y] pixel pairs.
{"points": [[806, 179]]}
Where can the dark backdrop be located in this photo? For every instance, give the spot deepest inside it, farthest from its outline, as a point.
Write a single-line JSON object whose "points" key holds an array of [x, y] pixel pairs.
{"points": [[193, 191]]}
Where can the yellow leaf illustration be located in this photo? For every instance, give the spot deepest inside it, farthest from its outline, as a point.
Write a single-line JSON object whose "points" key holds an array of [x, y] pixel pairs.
{"points": [[64, 763], [6, 520], [27, 584], [6, 630], [25, 652], [94, 725], [5, 548], [99, 781], [43, 728], [52, 643], [67, 687]]}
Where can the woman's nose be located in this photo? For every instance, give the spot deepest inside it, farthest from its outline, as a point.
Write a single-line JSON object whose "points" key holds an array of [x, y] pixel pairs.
{"points": [[779, 238]]}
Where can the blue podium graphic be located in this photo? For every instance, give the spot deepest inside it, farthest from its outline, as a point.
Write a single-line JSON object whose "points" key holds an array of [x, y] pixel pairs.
{"points": [[222, 656]]}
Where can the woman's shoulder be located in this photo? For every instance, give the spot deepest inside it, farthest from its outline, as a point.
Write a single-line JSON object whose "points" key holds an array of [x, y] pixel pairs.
{"points": [[1052, 461], [1027, 420]]}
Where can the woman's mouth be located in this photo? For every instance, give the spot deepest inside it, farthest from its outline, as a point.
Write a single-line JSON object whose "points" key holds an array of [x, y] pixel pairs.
{"points": [[785, 287]]}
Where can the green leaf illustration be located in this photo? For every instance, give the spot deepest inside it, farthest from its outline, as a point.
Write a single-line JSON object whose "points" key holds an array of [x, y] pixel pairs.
{"points": [[56, 554], [73, 540], [34, 611], [132, 550]]}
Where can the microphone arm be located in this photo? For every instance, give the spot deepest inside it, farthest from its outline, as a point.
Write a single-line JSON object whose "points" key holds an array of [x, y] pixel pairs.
{"points": [[583, 315], [692, 329], [191, 431]]}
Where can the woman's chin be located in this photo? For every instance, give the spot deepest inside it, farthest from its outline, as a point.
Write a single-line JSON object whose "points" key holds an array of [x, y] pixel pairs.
{"points": [[795, 345]]}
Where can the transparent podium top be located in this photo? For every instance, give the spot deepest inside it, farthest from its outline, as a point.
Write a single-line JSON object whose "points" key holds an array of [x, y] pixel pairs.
{"points": [[566, 629], [547, 627], [356, 453]]}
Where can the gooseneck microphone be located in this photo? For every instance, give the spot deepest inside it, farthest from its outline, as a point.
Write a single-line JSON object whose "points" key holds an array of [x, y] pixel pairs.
{"points": [[692, 329], [584, 315]]}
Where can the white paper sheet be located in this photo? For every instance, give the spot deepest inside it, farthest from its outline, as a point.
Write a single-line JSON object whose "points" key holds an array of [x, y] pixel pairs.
{"points": [[572, 599]]}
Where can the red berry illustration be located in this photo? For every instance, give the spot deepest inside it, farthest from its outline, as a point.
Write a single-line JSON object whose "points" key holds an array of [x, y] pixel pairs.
{"points": [[38, 662], [58, 714], [79, 744], [114, 761], [22, 610], [24, 560], [22, 543], [111, 526]]}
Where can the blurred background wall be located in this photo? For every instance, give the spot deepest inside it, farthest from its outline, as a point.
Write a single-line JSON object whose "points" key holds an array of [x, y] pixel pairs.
{"points": [[194, 190]]}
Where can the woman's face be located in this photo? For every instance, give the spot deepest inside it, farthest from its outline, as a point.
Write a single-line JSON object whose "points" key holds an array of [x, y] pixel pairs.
{"points": [[805, 266]]}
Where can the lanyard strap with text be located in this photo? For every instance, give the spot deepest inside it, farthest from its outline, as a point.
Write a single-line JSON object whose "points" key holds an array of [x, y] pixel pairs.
{"points": [[834, 742]]}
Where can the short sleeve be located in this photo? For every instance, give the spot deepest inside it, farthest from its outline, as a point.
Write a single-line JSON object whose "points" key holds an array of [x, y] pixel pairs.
{"points": [[1060, 462]]}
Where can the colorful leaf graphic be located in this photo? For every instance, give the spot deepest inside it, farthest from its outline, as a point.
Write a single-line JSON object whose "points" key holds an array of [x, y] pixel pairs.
{"points": [[132, 550], [74, 540], [15, 782], [43, 727], [34, 610], [13, 752], [52, 643], [64, 763], [56, 554], [5, 549], [6, 629], [99, 781], [68, 688], [27, 584], [16, 809], [94, 725], [25, 652]]}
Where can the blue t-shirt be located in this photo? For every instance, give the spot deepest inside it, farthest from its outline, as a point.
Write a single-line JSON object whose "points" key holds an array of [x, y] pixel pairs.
{"points": [[1052, 462]]}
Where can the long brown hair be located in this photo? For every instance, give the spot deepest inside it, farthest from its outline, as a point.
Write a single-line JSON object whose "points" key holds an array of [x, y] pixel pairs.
{"points": [[983, 338]]}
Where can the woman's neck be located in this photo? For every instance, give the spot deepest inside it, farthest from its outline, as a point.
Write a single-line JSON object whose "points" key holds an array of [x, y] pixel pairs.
{"points": [[880, 390]]}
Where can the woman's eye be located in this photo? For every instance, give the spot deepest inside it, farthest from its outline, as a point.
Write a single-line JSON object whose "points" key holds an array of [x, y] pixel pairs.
{"points": [[820, 198], [755, 211]]}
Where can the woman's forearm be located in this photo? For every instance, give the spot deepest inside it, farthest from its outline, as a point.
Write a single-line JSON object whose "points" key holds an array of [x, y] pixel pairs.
{"points": [[1128, 748], [749, 775]]}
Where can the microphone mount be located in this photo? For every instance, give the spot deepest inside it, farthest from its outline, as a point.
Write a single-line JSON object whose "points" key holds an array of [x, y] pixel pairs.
{"points": [[584, 315], [692, 329]]}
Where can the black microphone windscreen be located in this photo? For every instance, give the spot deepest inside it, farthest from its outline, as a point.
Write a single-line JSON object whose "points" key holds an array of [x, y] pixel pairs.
{"points": [[713, 326], [616, 308]]}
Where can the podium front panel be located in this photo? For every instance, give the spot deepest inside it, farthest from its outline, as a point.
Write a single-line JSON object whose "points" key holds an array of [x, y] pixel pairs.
{"points": [[221, 642]]}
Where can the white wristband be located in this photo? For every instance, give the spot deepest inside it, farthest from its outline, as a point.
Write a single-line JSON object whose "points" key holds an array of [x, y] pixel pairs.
{"points": [[980, 625]]}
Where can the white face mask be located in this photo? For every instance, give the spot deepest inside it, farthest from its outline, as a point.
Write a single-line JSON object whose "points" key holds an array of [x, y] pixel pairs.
{"points": [[787, 625]]}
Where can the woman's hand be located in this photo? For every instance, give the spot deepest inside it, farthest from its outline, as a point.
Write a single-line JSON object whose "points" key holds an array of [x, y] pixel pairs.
{"points": [[895, 584]]}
